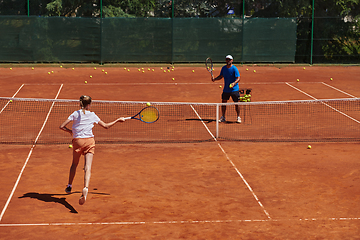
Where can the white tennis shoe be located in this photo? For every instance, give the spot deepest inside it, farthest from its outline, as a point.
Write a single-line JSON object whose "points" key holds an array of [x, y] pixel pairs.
{"points": [[83, 196], [238, 120]]}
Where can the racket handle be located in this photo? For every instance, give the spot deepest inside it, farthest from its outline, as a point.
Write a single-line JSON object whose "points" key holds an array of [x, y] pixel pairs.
{"points": [[127, 118]]}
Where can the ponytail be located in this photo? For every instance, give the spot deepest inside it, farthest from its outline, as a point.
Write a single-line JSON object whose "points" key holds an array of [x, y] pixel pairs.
{"points": [[84, 102]]}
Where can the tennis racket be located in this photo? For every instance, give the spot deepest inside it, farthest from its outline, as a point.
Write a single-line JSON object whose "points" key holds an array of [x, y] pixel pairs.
{"points": [[147, 115], [209, 66]]}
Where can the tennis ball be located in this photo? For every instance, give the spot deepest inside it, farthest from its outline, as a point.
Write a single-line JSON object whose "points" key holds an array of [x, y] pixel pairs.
{"points": [[230, 86], [73, 68], [70, 146], [173, 79], [90, 76], [139, 69], [148, 104], [254, 71], [32, 68], [94, 68], [148, 69], [85, 81], [10, 68], [105, 72], [193, 70], [220, 86], [48, 72], [164, 71], [153, 69], [247, 69], [297, 79], [10, 100], [60, 66], [331, 79], [309, 147], [128, 70], [304, 68], [52, 71]]}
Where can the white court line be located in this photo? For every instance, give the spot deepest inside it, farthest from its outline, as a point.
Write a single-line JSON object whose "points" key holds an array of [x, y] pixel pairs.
{"points": [[163, 83], [339, 90], [355, 120], [28, 157], [12, 97], [175, 222], [236, 169]]}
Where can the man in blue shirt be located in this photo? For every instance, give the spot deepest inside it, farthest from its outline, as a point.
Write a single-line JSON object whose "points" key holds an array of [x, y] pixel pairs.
{"points": [[231, 77]]}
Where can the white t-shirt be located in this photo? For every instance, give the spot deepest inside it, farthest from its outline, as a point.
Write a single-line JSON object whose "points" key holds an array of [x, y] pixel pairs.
{"points": [[83, 123]]}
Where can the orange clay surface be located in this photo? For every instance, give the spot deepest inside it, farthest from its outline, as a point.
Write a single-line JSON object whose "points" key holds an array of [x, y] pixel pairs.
{"points": [[208, 190]]}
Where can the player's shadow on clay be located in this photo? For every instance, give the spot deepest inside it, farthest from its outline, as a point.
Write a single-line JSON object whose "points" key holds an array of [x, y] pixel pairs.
{"points": [[49, 198]]}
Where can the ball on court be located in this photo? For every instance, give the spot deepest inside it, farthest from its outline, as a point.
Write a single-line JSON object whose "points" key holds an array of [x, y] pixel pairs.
{"points": [[94, 68], [254, 71], [105, 72], [10, 100], [297, 80], [48, 72], [128, 70], [304, 68], [73, 68], [10, 68], [331, 79], [32, 68], [60, 66], [309, 147], [230, 86], [148, 104], [193, 70], [85, 81], [70, 146], [90, 76], [247, 69], [173, 79], [220, 86]]}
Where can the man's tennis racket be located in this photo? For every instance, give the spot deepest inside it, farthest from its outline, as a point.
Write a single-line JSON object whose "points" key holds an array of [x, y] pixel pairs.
{"points": [[147, 115], [209, 66]]}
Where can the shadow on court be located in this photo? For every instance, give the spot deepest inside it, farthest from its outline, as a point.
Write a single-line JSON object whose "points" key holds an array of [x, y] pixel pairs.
{"points": [[49, 198]]}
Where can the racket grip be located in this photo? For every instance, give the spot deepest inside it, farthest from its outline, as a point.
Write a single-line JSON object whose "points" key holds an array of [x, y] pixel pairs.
{"points": [[127, 118]]}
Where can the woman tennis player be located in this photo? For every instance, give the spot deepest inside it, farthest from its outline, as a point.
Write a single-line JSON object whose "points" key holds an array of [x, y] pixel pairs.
{"points": [[83, 141]]}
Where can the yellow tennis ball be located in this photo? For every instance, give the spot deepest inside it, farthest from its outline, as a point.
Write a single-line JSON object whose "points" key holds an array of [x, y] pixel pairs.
{"points": [[70, 146], [193, 70], [230, 86], [10, 68], [85, 81], [297, 79], [304, 68], [73, 68], [128, 70], [32, 68], [254, 71], [90, 76], [247, 69], [10, 100], [309, 147], [60, 66], [94, 68], [331, 79], [48, 72], [105, 72], [148, 104], [220, 86]]}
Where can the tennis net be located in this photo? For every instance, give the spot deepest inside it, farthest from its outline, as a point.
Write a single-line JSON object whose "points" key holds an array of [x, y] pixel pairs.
{"points": [[26, 121]]}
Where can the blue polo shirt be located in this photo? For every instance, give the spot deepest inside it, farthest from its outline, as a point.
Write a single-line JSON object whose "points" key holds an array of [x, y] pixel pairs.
{"points": [[230, 74]]}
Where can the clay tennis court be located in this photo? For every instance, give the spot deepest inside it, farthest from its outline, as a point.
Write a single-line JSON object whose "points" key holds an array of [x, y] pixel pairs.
{"points": [[200, 190]]}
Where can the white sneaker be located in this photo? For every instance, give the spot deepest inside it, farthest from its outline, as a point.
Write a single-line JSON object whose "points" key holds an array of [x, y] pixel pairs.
{"points": [[83, 196], [222, 119], [238, 120]]}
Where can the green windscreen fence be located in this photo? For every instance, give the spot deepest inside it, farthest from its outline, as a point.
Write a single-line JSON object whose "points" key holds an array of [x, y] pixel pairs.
{"points": [[61, 39]]}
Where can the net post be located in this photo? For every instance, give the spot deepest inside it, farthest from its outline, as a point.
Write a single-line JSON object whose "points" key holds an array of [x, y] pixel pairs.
{"points": [[217, 121]]}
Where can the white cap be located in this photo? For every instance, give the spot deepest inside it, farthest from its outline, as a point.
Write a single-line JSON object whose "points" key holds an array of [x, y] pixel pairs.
{"points": [[229, 56]]}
